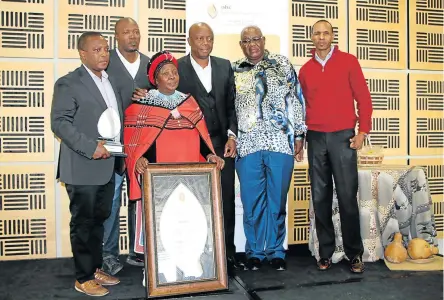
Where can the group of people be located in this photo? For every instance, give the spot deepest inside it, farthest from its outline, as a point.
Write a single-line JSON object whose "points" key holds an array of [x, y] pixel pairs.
{"points": [[252, 116]]}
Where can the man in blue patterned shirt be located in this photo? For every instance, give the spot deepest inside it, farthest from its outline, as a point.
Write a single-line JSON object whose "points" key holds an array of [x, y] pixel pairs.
{"points": [[270, 110]]}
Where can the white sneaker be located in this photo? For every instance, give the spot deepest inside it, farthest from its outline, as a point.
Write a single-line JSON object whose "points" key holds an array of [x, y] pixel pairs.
{"points": [[143, 280]]}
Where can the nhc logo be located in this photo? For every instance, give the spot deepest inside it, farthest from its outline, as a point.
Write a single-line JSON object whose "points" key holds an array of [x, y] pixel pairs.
{"points": [[212, 11]]}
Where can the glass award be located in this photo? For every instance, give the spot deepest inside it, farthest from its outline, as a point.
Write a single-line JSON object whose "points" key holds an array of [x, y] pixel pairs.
{"points": [[109, 128]]}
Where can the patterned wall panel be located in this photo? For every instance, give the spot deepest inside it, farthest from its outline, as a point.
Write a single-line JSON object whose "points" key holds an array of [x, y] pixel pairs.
{"points": [[426, 34], [26, 28], [78, 16], [434, 169], [66, 217], [162, 26], [25, 104], [303, 14], [389, 121], [377, 33], [27, 212], [426, 114], [298, 202]]}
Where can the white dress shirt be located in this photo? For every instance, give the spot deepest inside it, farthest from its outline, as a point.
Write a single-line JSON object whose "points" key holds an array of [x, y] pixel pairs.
{"points": [[132, 68], [107, 92], [204, 74]]}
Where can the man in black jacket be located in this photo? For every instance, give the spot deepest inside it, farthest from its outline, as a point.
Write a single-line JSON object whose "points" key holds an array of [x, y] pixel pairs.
{"points": [[211, 82], [128, 67]]}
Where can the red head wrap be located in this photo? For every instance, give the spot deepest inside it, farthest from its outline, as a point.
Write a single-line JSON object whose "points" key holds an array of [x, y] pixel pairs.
{"points": [[157, 62]]}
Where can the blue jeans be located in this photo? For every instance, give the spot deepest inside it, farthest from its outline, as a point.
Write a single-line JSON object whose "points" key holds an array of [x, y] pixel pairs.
{"points": [[264, 179], [112, 224]]}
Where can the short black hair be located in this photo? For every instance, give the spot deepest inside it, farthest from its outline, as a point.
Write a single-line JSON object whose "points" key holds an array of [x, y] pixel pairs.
{"points": [[82, 39], [325, 21]]}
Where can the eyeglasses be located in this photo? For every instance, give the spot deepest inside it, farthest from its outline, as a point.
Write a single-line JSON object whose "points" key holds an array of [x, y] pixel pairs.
{"points": [[256, 40]]}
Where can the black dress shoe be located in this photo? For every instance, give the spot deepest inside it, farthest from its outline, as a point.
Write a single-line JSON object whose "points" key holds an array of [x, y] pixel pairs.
{"points": [[324, 264], [278, 264], [356, 265], [234, 263], [253, 264]]}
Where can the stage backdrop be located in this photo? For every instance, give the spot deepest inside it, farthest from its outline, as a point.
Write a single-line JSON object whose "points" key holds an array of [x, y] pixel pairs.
{"points": [[399, 44]]}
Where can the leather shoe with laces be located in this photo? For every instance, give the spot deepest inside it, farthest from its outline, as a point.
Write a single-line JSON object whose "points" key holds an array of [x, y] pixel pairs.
{"points": [[91, 288], [105, 279], [356, 265], [278, 264], [324, 264], [253, 263]]}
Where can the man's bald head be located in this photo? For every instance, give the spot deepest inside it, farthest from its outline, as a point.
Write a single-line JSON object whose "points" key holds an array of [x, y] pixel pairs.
{"points": [[250, 29], [122, 22], [200, 39], [196, 27]]}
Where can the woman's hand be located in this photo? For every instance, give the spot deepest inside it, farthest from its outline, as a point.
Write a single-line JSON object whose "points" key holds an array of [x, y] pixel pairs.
{"points": [[141, 165], [220, 163]]}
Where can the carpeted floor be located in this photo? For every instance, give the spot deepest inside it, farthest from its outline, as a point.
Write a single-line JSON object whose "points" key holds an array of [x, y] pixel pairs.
{"points": [[53, 279]]}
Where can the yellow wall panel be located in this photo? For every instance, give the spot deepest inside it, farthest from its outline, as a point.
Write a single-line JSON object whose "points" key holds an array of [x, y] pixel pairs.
{"points": [[25, 105], [389, 119], [434, 169], [303, 14], [426, 34], [162, 27], [67, 67], [298, 205], [90, 15], [377, 33], [426, 114], [27, 212], [27, 29]]}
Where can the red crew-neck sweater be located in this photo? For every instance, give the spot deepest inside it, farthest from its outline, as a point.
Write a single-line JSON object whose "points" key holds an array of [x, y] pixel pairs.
{"points": [[330, 93]]}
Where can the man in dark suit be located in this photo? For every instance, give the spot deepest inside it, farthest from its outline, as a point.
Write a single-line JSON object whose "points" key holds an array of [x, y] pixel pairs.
{"points": [[211, 82], [128, 67], [85, 165]]}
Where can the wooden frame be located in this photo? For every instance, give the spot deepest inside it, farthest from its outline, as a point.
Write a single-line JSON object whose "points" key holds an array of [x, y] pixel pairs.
{"points": [[178, 248]]}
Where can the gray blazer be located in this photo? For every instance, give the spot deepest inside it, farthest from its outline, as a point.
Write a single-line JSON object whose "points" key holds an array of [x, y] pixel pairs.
{"points": [[76, 108], [126, 83]]}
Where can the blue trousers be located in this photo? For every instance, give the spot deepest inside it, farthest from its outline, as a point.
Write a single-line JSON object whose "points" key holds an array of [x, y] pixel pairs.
{"points": [[112, 224], [264, 178]]}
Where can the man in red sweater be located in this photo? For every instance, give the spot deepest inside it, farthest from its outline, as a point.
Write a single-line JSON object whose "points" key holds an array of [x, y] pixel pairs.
{"points": [[331, 82]]}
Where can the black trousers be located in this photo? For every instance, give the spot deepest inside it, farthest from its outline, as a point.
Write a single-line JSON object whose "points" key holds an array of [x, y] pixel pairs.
{"points": [[90, 206], [329, 153], [227, 182]]}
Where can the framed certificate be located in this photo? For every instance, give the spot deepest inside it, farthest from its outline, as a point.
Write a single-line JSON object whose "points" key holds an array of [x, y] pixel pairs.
{"points": [[185, 247]]}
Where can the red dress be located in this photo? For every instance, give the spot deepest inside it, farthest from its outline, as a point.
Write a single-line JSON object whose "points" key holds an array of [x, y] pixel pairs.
{"points": [[150, 126]]}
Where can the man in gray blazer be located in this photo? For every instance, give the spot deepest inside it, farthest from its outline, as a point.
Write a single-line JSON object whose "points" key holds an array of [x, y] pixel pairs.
{"points": [[85, 165], [129, 68]]}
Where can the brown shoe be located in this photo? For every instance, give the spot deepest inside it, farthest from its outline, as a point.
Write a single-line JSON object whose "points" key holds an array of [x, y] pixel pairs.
{"points": [[324, 264], [91, 288], [105, 279], [356, 265]]}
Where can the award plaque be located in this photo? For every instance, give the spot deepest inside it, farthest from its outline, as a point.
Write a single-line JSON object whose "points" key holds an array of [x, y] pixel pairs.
{"points": [[109, 127], [185, 248]]}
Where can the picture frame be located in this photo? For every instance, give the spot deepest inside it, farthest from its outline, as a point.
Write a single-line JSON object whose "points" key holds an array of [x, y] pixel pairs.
{"points": [[184, 233]]}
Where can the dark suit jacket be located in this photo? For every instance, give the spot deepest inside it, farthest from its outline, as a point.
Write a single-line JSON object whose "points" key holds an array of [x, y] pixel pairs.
{"points": [[223, 86], [125, 82], [76, 108]]}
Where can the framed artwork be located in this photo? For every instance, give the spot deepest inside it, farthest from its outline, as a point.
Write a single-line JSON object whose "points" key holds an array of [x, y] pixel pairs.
{"points": [[185, 247]]}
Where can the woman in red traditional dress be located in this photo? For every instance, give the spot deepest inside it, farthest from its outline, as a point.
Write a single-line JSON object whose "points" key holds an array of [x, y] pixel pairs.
{"points": [[165, 126]]}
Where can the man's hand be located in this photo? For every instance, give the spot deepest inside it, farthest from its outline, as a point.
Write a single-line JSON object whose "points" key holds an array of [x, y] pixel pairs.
{"points": [[139, 94], [230, 148], [176, 114], [101, 152], [141, 165], [357, 141], [220, 163], [299, 150]]}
